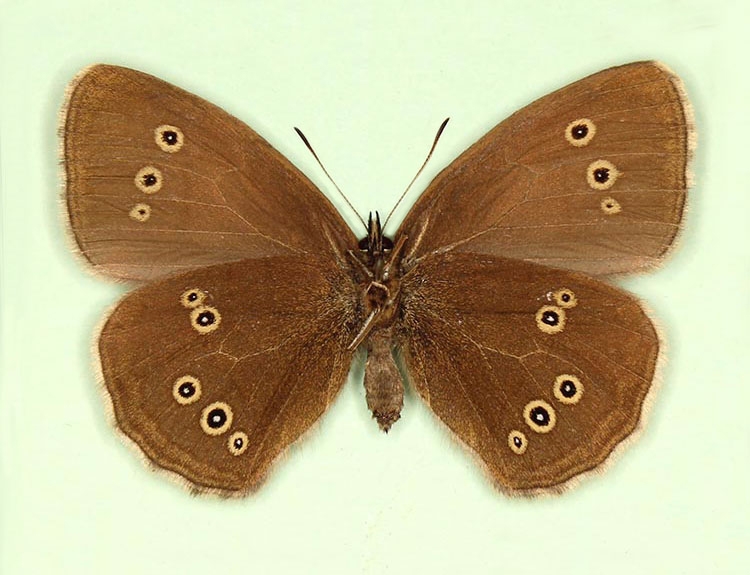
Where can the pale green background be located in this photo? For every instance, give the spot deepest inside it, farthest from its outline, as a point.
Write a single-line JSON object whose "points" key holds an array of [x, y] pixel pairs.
{"points": [[369, 83]]}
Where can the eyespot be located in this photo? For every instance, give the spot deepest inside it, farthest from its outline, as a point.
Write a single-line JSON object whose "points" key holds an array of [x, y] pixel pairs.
{"points": [[611, 206], [565, 298], [237, 443], [149, 180], [517, 442], [568, 388], [602, 175], [216, 418], [169, 138], [187, 389], [540, 416], [580, 132], [550, 319], [140, 212], [192, 298], [205, 319]]}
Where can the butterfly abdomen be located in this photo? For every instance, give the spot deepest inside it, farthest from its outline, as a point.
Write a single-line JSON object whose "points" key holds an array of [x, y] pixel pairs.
{"points": [[383, 388]]}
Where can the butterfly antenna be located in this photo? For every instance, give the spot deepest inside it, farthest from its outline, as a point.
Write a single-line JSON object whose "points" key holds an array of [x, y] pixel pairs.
{"points": [[322, 167], [414, 179]]}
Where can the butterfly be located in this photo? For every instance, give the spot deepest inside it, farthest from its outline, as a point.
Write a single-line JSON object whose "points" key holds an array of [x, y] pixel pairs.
{"points": [[491, 298]]}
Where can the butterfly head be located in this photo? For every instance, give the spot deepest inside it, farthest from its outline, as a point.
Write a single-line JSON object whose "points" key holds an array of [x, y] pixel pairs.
{"points": [[375, 244]]}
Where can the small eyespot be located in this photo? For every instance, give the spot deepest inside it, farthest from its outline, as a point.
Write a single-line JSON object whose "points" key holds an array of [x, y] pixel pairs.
{"points": [[565, 298], [580, 132], [568, 389], [237, 443], [602, 175], [149, 180], [611, 206], [169, 138], [517, 442], [205, 319], [216, 418], [187, 389], [539, 416], [140, 212], [192, 298], [550, 319]]}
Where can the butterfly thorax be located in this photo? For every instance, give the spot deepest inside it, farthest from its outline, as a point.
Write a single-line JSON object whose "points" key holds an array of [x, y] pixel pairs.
{"points": [[380, 295]]}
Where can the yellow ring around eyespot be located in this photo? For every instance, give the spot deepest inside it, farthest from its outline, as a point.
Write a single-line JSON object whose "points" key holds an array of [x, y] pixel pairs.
{"points": [[546, 327], [140, 212], [166, 147], [200, 297], [515, 448], [195, 316], [612, 174], [533, 424], [578, 143], [207, 411], [182, 400], [571, 301], [232, 438], [141, 176], [557, 389], [610, 206]]}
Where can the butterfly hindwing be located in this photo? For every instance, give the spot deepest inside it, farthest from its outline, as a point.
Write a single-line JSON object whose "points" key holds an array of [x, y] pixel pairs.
{"points": [[591, 177], [213, 373], [541, 372], [159, 181]]}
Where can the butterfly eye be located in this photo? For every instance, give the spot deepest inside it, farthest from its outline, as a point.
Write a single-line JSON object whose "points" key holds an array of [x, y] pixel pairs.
{"points": [[192, 298], [363, 244], [237, 443], [540, 416], [205, 319], [187, 390], [517, 442], [148, 180], [550, 319], [611, 206], [565, 298], [568, 389], [140, 212], [216, 418], [602, 175], [580, 132], [169, 138]]}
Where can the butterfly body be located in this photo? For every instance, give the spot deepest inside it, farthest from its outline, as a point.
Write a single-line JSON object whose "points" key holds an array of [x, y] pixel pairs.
{"points": [[491, 301]]}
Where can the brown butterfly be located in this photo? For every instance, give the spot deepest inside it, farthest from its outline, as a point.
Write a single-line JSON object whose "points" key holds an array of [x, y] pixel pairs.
{"points": [[490, 297]]}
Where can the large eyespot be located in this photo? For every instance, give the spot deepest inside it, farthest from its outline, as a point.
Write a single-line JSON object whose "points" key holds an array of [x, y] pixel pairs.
{"points": [[539, 416], [192, 298], [216, 418], [205, 319], [550, 319], [568, 388], [565, 298], [169, 138], [140, 212], [602, 175], [149, 180], [237, 443], [517, 442], [611, 206], [580, 132], [187, 389]]}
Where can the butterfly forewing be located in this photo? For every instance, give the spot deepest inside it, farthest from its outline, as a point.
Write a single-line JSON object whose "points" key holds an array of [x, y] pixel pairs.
{"points": [[541, 372], [591, 178], [213, 373], [159, 180]]}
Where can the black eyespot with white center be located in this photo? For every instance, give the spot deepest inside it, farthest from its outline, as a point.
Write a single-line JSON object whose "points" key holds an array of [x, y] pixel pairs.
{"points": [[540, 416], [205, 319], [140, 212], [580, 132], [237, 443], [517, 442], [186, 390], [192, 298], [550, 319], [149, 180], [216, 418], [602, 175], [565, 298], [169, 138], [568, 389]]}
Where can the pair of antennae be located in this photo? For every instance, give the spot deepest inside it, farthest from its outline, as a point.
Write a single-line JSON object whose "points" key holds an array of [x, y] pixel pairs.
{"points": [[414, 179]]}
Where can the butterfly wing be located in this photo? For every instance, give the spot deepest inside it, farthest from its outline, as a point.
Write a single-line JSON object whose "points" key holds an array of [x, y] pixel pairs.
{"points": [[159, 180], [590, 178], [541, 372], [214, 372]]}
